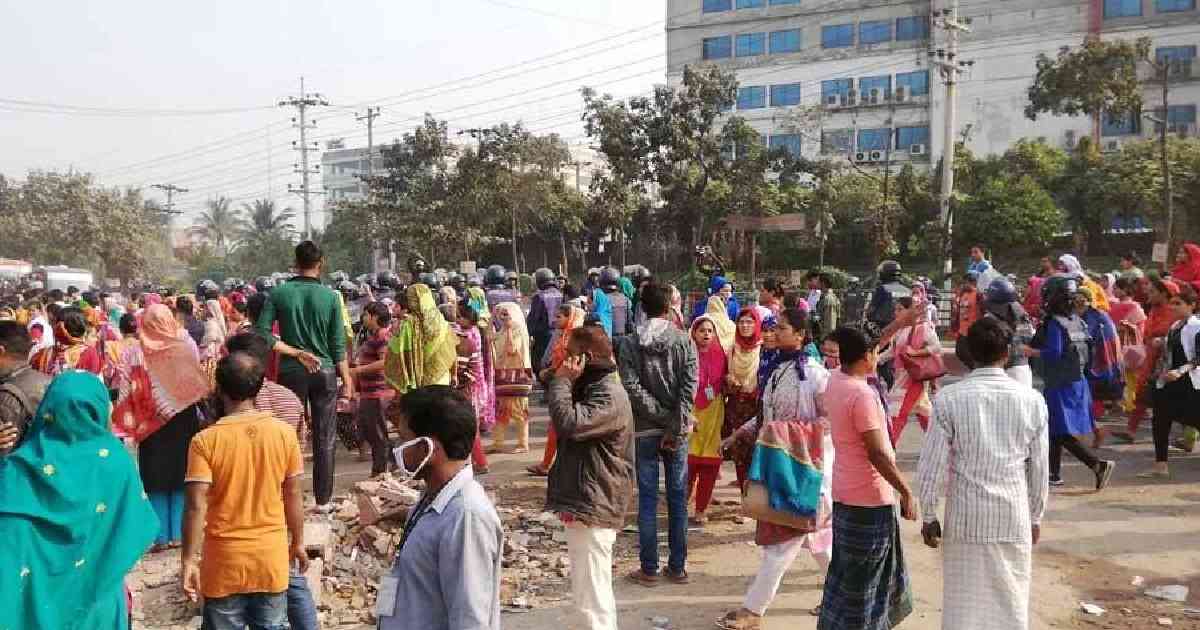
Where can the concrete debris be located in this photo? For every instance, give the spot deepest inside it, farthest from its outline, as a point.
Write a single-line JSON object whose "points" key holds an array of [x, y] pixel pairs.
{"points": [[1170, 592], [1091, 609], [1165, 621]]}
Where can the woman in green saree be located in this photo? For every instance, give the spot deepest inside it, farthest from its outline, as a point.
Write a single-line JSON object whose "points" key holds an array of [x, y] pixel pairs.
{"points": [[73, 515]]}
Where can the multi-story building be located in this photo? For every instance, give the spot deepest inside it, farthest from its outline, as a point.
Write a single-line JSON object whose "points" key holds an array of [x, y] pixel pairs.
{"points": [[858, 78], [342, 171]]}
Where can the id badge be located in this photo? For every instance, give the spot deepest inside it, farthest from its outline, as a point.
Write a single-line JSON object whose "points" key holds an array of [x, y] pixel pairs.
{"points": [[709, 393], [385, 603]]}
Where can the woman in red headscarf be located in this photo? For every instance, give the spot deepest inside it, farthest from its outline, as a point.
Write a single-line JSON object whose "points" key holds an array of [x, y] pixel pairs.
{"points": [[741, 381], [1158, 324], [1187, 265]]}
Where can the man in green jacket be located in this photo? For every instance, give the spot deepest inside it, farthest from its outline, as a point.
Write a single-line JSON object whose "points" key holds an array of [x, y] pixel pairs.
{"points": [[312, 344]]}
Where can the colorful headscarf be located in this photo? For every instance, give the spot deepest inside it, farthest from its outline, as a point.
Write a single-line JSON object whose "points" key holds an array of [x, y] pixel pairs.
{"points": [[712, 366], [170, 359], [726, 329], [1189, 271], [477, 299], [75, 517], [512, 342], [437, 342], [747, 352], [574, 320], [602, 310], [627, 288]]}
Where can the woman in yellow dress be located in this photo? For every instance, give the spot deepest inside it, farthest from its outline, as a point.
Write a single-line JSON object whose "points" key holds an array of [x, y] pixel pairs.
{"points": [[704, 446], [514, 377]]}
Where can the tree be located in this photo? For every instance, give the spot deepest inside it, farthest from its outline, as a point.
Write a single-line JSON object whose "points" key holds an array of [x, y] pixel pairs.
{"points": [[262, 222], [1010, 213], [1099, 77], [220, 223]]}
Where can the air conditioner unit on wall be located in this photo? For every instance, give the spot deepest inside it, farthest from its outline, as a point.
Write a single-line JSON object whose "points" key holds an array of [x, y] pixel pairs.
{"points": [[917, 149], [1112, 146], [900, 95], [852, 97], [862, 156], [876, 96], [833, 100], [877, 156]]}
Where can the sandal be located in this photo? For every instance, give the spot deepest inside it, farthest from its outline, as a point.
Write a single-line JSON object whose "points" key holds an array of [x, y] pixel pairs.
{"points": [[638, 576], [740, 620], [538, 470], [676, 578], [1154, 474]]}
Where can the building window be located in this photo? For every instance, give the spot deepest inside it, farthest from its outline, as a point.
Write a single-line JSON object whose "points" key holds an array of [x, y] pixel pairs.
{"points": [[785, 41], [908, 136], [837, 36], [836, 87], [750, 4], [1122, 8], [1171, 6], [837, 141], [874, 139], [718, 47], [910, 28], [1119, 125], [752, 97], [716, 6], [776, 3], [785, 95], [874, 32], [1174, 53], [916, 83], [1177, 116], [883, 84], [788, 141], [751, 44]]}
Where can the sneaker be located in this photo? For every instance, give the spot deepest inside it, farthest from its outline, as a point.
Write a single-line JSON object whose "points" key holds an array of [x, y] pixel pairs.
{"points": [[1057, 481], [1104, 472]]}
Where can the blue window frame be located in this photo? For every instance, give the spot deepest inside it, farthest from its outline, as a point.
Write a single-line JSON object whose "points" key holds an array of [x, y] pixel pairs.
{"points": [[908, 136], [1174, 53], [785, 95], [874, 32], [785, 41], [752, 97], [1171, 6], [910, 28], [750, 44], [836, 141], [883, 84], [839, 87], [788, 141], [1122, 8], [776, 3], [1125, 125], [874, 139], [1177, 114], [718, 47], [917, 83], [717, 6], [750, 4], [837, 36]]}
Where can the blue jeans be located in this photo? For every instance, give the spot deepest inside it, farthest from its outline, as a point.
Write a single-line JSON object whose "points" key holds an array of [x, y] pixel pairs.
{"points": [[301, 609], [675, 464], [259, 611], [168, 507]]}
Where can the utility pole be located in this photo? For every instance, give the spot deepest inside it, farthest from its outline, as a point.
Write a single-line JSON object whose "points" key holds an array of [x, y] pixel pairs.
{"points": [[947, 62], [364, 184], [170, 189], [302, 103], [1164, 69]]}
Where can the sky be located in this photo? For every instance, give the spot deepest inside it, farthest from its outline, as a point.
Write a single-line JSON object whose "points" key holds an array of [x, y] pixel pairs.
{"points": [[141, 93]]}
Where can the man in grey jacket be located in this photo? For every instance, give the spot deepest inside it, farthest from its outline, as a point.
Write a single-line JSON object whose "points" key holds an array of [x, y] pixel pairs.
{"points": [[658, 368]]}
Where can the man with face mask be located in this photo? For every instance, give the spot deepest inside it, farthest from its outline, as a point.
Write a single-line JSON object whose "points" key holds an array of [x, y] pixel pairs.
{"points": [[446, 573]]}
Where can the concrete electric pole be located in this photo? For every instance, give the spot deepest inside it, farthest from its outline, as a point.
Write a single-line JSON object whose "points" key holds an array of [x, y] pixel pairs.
{"points": [[302, 103], [170, 189], [947, 62], [370, 116]]}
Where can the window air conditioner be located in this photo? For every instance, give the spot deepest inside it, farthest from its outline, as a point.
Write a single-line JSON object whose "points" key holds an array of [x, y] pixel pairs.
{"points": [[917, 149]]}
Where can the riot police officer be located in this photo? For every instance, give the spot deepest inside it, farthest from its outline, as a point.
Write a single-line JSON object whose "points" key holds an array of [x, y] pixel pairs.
{"points": [[542, 308]]}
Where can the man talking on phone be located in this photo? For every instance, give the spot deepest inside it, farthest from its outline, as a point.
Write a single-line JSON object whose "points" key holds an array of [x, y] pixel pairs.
{"points": [[658, 367]]}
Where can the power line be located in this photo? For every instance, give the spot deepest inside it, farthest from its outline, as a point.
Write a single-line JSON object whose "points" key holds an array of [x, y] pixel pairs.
{"points": [[302, 103], [58, 108]]}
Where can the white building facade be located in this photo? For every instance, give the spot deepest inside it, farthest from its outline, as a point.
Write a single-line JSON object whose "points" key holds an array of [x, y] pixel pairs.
{"points": [[342, 171], [854, 78]]}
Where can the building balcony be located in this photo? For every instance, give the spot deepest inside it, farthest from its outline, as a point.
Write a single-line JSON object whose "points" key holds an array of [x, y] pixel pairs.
{"points": [[855, 100]]}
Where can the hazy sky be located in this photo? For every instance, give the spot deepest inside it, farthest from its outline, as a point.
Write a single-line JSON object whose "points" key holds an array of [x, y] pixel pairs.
{"points": [[113, 87]]}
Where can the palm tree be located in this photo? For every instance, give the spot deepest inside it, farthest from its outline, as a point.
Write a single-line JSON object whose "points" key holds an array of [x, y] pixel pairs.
{"points": [[263, 223], [219, 224]]}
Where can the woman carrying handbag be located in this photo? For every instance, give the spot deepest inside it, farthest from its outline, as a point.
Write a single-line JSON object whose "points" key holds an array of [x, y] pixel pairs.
{"points": [[918, 352]]}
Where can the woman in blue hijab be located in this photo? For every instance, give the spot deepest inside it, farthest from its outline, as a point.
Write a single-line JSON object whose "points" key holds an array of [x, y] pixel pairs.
{"points": [[718, 285]]}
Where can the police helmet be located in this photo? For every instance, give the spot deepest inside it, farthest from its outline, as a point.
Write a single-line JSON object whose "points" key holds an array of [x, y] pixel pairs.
{"points": [[430, 280], [417, 265], [889, 271], [610, 279], [207, 290], [494, 276], [543, 278], [1001, 291], [474, 280]]}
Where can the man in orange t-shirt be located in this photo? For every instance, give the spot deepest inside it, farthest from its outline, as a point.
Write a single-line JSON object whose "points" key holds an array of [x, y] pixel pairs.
{"points": [[243, 490]]}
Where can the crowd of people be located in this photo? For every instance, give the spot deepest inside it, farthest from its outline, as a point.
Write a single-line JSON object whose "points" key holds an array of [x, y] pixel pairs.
{"points": [[217, 393]]}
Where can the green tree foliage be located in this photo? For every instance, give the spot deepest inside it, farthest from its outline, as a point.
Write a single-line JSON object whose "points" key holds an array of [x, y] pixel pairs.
{"points": [[220, 224], [1009, 213], [1098, 77]]}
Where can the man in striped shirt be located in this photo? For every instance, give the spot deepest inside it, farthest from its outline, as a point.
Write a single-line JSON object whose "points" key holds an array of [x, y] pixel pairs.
{"points": [[989, 438]]}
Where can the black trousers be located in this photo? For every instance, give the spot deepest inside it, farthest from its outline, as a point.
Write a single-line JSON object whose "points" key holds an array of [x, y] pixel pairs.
{"points": [[1081, 452], [373, 431], [318, 392]]}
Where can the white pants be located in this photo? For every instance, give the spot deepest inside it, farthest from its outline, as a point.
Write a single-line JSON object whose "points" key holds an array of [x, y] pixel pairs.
{"points": [[1021, 374], [590, 552], [775, 563]]}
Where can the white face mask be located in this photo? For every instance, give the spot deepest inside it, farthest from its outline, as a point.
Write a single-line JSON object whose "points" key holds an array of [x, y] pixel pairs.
{"points": [[403, 472]]}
